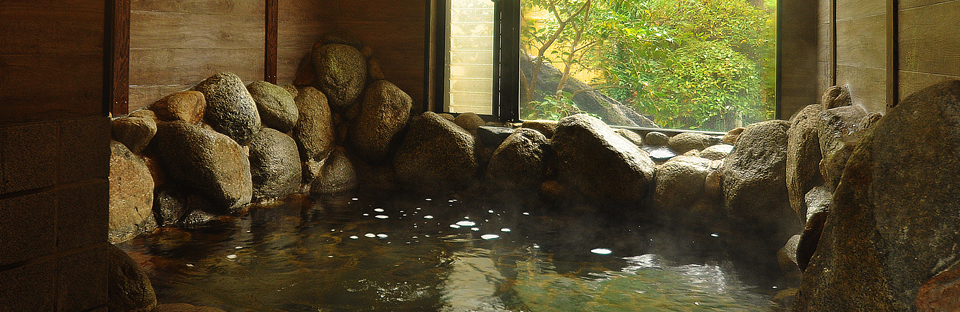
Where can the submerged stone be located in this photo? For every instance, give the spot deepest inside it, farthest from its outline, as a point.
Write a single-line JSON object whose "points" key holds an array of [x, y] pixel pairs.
{"points": [[337, 176], [435, 156]]}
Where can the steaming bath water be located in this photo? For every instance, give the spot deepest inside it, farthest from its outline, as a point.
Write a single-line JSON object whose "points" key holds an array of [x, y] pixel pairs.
{"points": [[403, 253]]}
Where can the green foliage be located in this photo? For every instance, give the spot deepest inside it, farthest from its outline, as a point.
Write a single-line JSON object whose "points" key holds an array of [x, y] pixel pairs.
{"points": [[552, 107], [700, 64]]}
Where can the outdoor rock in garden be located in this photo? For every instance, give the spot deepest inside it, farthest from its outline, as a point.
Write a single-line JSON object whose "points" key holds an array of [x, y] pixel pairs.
{"points": [[894, 222], [683, 142], [230, 109], [314, 131], [338, 174], [384, 112], [839, 129], [129, 287], [803, 157], [597, 162], [274, 165], [678, 184], [520, 162], [435, 156], [492, 136], [188, 106], [341, 73], [136, 130], [716, 152], [655, 138], [631, 136], [206, 161], [275, 105], [547, 127], [131, 195]]}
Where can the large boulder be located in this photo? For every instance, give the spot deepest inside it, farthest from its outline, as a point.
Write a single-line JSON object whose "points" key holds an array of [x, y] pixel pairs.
{"points": [[188, 106], [598, 162], [470, 122], [520, 163], [129, 287], [678, 184], [341, 73], [839, 129], [131, 195], [207, 161], [314, 132], [803, 157], [436, 155], [230, 108], [755, 192], [337, 175], [384, 112], [136, 130], [274, 165], [895, 219], [275, 105]]}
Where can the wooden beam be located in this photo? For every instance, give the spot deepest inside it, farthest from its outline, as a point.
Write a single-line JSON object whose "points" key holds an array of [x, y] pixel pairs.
{"points": [[893, 53], [116, 69], [270, 41]]}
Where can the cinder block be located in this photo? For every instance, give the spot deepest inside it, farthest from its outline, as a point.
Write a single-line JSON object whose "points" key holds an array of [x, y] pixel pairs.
{"points": [[84, 149], [27, 227], [29, 156], [83, 216], [28, 288], [82, 280]]}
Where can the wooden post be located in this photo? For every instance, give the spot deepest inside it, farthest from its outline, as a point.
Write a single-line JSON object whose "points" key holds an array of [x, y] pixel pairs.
{"points": [[116, 65], [270, 42]]}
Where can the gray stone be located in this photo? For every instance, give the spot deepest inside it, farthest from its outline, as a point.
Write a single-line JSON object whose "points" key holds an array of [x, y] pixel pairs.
{"points": [[274, 165], [341, 73], [631, 136], [688, 141], [655, 138], [519, 164], [275, 105], [188, 106], [547, 127], [895, 218], [435, 156], [818, 200], [338, 175], [207, 161], [716, 152], [314, 132], [599, 163], [803, 157], [129, 287], [292, 89], [755, 191], [169, 205], [839, 129], [384, 112], [678, 184], [136, 130], [230, 109], [492, 136], [131, 195]]}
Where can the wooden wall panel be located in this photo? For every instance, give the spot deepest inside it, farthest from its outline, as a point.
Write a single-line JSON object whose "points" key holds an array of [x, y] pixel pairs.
{"points": [[301, 24], [51, 59], [929, 46], [798, 45], [861, 51], [178, 43], [395, 29], [867, 86]]}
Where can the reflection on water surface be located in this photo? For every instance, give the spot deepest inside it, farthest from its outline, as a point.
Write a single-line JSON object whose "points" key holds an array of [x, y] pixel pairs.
{"points": [[405, 253]]}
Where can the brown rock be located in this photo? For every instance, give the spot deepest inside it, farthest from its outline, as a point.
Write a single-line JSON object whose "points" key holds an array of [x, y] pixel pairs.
{"points": [[341, 74], [547, 127], [384, 112], [732, 136], [942, 292], [631, 136], [520, 162], [314, 131], [435, 156], [337, 176], [188, 106], [129, 286], [469, 122], [684, 142], [835, 97], [803, 157], [135, 131], [184, 307], [131, 195], [230, 108]]}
